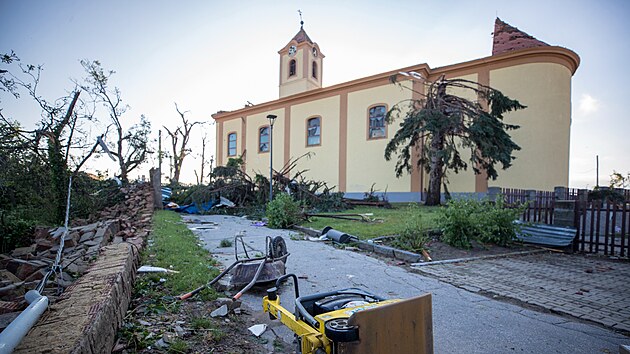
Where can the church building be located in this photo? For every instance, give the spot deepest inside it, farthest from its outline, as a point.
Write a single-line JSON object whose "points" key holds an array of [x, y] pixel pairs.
{"points": [[343, 126]]}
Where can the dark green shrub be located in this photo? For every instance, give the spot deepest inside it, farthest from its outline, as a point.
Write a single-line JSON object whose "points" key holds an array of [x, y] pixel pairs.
{"points": [[283, 212], [605, 194], [465, 220], [14, 232], [457, 226], [496, 223]]}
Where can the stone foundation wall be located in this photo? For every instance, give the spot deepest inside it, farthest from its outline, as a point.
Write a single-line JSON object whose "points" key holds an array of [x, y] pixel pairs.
{"points": [[86, 317]]}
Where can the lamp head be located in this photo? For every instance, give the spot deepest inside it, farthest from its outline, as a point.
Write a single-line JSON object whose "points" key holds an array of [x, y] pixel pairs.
{"points": [[271, 118]]}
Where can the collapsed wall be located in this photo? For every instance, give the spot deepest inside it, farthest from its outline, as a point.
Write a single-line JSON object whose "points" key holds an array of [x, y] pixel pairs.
{"points": [[100, 261]]}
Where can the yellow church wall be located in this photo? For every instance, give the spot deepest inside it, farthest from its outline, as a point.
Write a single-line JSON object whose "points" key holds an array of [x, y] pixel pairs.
{"points": [[231, 126], [324, 162], [256, 161], [538, 77], [545, 88], [366, 163]]}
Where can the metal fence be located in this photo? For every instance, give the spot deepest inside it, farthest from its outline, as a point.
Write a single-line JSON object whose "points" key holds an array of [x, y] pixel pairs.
{"points": [[539, 205], [602, 226]]}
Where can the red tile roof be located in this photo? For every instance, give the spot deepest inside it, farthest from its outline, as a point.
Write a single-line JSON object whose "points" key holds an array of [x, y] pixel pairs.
{"points": [[508, 38], [301, 36]]}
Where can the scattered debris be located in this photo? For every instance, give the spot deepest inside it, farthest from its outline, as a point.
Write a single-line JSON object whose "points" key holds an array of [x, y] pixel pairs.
{"points": [[426, 256], [26, 266], [383, 204], [258, 329], [354, 217], [151, 269], [231, 187], [220, 312]]}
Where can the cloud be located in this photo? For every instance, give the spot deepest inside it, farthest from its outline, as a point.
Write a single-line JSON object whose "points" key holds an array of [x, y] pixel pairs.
{"points": [[588, 105]]}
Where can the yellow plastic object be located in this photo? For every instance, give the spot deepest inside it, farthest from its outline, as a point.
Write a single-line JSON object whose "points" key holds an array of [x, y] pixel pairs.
{"points": [[410, 318]]}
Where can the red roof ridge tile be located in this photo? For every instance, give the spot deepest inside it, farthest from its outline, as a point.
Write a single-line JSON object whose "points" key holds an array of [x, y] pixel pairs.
{"points": [[507, 38]]}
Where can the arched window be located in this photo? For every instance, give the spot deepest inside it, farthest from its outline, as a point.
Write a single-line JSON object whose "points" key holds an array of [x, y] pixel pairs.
{"points": [[376, 121], [263, 139], [313, 131], [292, 66], [315, 70], [231, 148]]}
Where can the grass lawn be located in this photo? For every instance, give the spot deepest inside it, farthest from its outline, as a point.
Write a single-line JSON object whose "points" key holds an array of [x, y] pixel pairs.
{"points": [[393, 220], [175, 247]]}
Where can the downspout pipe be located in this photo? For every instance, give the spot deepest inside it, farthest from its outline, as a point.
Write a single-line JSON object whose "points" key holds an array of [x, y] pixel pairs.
{"points": [[11, 337]]}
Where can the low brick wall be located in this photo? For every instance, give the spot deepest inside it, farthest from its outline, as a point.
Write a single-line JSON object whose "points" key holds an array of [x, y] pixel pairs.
{"points": [[88, 314], [85, 318]]}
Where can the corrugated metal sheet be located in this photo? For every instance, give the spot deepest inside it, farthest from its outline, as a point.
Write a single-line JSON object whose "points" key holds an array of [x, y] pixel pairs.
{"points": [[547, 235]]}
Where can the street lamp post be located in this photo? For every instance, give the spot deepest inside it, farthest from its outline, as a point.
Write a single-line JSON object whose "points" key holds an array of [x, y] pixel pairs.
{"points": [[271, 118]]}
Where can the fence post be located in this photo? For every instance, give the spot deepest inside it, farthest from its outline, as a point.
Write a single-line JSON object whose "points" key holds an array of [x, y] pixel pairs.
{"points": [[156, 183], [564, 213], [493, 192], [560, 193]]}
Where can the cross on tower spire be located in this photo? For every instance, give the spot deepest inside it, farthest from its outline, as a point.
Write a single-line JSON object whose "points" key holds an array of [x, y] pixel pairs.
{"points": [[301, 21]]}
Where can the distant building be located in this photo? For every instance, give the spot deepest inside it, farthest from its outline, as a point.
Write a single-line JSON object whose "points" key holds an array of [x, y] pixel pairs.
{"points": [[343, 125]]}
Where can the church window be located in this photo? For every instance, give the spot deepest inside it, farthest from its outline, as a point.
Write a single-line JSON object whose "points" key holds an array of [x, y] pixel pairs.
{"points": [[232, 144], [292, 66], [263, 139], [376, 120], [315, 70], [313, 131]]}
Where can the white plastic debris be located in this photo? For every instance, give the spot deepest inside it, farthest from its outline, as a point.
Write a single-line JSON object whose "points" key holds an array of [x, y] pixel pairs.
{"points": [[225, 202], [220, 312], [151, 269], [258, 329]]}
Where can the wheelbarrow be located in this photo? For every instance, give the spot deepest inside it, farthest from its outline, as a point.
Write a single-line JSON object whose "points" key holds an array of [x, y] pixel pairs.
{"points": [[249, 271]]}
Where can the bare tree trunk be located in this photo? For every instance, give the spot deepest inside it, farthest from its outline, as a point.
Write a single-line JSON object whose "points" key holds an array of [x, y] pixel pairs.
{"points": [[179, 153], [436, 172]]}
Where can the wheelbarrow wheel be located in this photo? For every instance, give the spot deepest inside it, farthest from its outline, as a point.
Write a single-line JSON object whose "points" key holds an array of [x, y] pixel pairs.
{"points": [[278, 248], [338, 330]]}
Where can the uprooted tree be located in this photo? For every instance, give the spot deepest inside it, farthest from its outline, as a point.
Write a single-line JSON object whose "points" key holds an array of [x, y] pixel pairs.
{"points": [[60, 141], [179, 143], [440, 123], [131, 147]]}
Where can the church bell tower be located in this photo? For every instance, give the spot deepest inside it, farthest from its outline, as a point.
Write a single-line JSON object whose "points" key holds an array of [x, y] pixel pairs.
{"points": [[301, 65]]}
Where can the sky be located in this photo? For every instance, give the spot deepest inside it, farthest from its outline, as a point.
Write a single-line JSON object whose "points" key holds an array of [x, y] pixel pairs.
{"points": [[216, 55]]}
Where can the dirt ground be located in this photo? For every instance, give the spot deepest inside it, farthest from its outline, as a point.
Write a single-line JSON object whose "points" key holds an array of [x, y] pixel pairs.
{"points": [[439, 250], [168, 325]]}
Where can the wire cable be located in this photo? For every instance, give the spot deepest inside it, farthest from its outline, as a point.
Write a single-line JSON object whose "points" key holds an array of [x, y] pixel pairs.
{"points": [[56, 266]]}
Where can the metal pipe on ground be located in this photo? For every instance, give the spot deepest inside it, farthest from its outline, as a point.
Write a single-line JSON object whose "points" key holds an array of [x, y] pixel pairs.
{"points": [[337, 235], [11, 337]]}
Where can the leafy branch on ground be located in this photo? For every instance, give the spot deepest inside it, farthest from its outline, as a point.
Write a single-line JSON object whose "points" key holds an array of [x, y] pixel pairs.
{"points": [[465, 220], [283, 212]]}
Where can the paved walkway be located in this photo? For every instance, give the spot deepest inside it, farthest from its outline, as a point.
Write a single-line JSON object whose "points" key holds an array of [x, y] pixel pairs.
{"points": [[463, 322], [590, 288]]}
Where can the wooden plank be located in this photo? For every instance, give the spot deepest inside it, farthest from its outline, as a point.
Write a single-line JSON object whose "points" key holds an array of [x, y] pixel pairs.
{"points": [[404, 327]]}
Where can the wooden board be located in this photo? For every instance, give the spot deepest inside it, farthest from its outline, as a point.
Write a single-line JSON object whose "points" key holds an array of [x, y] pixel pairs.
{"points": [[404, 327]]}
